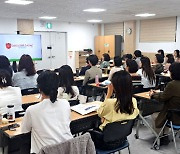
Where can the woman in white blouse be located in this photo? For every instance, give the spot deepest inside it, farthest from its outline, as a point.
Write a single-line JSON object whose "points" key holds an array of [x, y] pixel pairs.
{"points": [[117, 66], [147, 74], [9, 95], [66, 89], [49, 120]]}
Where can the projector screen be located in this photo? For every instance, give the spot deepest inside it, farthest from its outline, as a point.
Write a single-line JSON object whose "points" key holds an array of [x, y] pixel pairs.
{"points": [[14, 46]]}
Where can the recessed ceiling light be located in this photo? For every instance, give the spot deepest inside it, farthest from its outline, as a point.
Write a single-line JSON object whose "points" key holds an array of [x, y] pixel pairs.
{"points": [[145, 15], [94, 10], [94, 20], [19, 2], [47, 17]]}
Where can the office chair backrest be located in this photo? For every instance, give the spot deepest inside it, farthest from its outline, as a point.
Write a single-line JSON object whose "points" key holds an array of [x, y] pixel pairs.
{"points": [[117, 130], [29, 91], [137, 88]]}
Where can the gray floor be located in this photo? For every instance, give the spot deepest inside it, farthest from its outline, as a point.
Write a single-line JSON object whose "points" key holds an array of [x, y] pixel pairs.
{"points": [[145, 141]]}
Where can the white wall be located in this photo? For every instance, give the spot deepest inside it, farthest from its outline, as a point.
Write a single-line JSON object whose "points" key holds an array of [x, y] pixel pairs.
{"points": [[168, 47], [79, 36], [8, 26]]}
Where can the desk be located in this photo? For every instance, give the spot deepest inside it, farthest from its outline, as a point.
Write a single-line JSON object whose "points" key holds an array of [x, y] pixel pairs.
{"points": [[28, 99], [81, 78], [143, 95]]}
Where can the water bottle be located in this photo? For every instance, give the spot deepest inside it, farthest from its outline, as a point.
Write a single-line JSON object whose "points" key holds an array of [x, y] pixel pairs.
{"points": [[96, 79], [11, 113], [77, 72]]}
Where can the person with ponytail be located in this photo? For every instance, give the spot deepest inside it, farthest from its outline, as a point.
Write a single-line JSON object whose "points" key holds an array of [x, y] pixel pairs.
{"points": [[49, 120]]}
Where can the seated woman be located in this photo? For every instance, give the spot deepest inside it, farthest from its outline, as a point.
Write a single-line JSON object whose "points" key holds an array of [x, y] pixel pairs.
{"points": [[123, 107], [168, 61], [148, 78], [9, 95], [5, 64], [176, 55], [105, 61], [170, 96], [66, 89], [117, 66], [26, 76], [158, 68], [49, 120], [132, 68]]}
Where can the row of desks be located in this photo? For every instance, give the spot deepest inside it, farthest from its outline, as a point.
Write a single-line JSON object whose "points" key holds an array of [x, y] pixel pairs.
{"points": [[28, 99]]}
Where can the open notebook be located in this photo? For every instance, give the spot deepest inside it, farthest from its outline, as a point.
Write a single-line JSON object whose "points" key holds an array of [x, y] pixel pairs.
{"points": [[86, 108]]}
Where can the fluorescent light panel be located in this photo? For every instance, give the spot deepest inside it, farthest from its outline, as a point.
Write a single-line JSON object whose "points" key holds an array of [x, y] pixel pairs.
{"points": [[94, 10], [47, 17], [145, 15], [19, 2], [94, 20]]}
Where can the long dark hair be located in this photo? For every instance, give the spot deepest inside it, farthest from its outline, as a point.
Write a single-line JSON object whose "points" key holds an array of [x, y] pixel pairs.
{"points": [[26, 63], [66, 79], [170, 58], [147, 69], [5, 78], [122, 83], [48, 84]]}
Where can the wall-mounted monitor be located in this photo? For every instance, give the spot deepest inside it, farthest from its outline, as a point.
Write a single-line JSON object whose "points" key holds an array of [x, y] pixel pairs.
{"points": [[14, 46]]}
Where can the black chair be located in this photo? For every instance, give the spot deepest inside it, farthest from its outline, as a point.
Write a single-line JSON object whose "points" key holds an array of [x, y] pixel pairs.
{"points": [[90, 91], [29, 91], [114, 136], [172, 116]]}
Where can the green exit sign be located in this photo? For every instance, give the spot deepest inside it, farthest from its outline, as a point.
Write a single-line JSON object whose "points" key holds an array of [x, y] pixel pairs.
{"points": [[49, 25]]}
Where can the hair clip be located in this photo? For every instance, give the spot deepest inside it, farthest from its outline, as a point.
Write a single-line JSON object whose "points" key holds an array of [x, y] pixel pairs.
{"points": [[3, 80]]}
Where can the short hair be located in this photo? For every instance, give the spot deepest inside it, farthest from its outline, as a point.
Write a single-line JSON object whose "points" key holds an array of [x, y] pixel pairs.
{"points": [[26, 63], [117, 61], [93, 59], [4, 62], [48, 83], [106, 57], [132, 66], [175, 71], [160, 58], [137, 53], [161, 52], [170, 58], [5, 78], [129, 56]]}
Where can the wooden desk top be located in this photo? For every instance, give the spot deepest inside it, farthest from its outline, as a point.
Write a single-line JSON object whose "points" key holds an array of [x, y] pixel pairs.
{"points": [[80, 78], [10, 134], [144, 95], [27, 99], [98, 86]]}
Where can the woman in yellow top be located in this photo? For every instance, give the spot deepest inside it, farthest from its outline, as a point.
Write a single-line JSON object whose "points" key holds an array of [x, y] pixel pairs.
{"points": [[123, 107]]}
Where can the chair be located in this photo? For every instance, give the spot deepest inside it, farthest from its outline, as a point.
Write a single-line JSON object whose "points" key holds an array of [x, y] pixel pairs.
{"points": [[146, 108], [174, 128], [115, 136], [29, 91], [90, 91], [80, 145]]}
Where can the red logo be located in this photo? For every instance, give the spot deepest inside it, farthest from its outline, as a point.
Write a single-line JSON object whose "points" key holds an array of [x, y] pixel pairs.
{"points": [[8, 45]]}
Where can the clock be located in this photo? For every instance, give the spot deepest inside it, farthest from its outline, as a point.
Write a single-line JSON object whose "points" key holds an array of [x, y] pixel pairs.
{"points": [[129, 31]]}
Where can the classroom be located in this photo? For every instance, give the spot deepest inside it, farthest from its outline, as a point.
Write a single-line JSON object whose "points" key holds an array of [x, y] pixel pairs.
{"points": [[86, 77]]}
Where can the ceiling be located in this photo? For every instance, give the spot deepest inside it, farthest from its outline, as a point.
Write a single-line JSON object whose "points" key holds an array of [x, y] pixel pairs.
{"points": [[71, 10]]}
